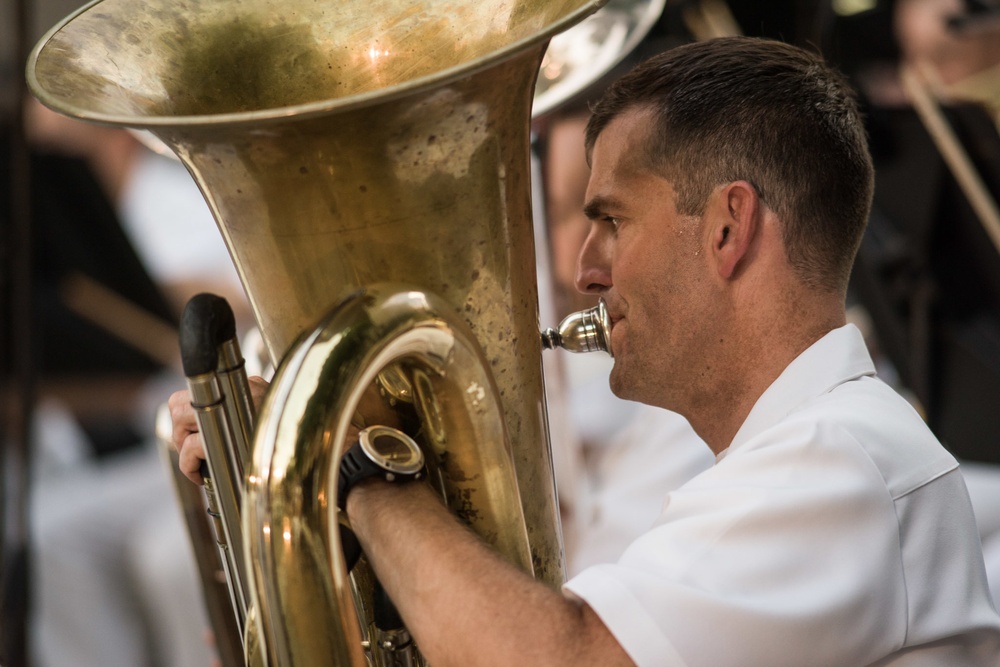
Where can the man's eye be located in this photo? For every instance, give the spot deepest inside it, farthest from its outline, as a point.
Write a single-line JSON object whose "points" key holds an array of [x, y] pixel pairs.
{"points": [[611, 220]]}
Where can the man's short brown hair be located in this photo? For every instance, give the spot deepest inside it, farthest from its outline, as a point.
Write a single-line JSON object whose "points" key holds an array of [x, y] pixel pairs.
{"points": [[772, 114]]}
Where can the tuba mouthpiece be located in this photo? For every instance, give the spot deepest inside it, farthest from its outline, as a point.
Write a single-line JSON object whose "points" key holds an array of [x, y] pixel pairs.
{"points": [[584, 331]]}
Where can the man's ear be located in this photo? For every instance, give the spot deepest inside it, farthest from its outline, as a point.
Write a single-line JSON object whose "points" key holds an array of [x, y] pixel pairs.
{"points": [[735, 220]]}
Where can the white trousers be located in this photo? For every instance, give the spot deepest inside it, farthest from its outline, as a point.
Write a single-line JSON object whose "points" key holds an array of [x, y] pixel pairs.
{"points": [[114, 580]]}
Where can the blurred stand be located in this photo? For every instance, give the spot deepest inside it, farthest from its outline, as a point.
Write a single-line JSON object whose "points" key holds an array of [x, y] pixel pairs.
{"points": [[17, 377]]}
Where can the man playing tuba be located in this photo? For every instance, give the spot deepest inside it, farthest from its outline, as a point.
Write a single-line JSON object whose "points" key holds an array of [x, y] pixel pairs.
{"points": [[730, 188]]}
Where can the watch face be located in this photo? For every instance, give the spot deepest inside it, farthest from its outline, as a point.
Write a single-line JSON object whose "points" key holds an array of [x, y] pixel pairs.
{"points": [[391, 449]]}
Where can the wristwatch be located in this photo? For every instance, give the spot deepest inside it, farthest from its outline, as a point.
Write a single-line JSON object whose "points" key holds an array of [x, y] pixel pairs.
{"points": [[380, 451]]}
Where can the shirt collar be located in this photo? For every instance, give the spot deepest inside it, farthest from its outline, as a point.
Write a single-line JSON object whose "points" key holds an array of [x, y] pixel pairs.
{"points": [[838, 357]]}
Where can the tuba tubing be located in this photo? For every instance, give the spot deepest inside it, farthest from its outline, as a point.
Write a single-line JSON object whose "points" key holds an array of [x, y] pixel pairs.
{"points": [[207, 336], [216, 588], [301, 582]]}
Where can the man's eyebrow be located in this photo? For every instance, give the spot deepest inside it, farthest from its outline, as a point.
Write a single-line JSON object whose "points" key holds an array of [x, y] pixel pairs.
{"points": [[595, 208]]}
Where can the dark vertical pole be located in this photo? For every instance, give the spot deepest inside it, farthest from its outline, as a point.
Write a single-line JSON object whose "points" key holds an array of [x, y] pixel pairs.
{"points": [[18, 380]]}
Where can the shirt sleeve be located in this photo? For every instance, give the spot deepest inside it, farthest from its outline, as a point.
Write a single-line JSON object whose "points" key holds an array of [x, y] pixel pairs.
{"points": [[784, 554]]}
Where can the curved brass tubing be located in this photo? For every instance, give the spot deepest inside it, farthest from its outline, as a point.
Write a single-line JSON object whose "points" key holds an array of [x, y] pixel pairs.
{"points": [[319, 391]]}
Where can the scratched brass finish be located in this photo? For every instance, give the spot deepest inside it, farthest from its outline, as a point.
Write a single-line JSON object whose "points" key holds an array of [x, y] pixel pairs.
{"points": [[342, 145]]}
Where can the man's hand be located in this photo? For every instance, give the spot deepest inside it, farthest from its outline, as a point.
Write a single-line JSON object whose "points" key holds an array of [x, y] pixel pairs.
{"points": [[186, 436], [448, 585]]}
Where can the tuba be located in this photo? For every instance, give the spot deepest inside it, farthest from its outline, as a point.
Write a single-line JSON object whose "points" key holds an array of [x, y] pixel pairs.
{"points": [[367, 164]]}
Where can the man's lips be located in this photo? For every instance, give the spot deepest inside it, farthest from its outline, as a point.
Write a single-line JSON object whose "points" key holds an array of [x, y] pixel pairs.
{"points": [[613, 315], [615, 335]]}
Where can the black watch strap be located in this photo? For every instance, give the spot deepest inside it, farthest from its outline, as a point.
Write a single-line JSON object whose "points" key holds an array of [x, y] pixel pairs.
{"points": [[380, 451]]}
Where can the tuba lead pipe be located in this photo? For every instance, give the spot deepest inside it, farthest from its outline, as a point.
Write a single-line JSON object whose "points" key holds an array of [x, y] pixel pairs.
{"points": [[207, 340], [235, 386], [216, 590]]}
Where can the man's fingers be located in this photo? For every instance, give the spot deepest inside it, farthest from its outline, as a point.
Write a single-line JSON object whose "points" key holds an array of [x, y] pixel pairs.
{"points": [[192, 453], [258, 387], [185, 421], [186, 436]]}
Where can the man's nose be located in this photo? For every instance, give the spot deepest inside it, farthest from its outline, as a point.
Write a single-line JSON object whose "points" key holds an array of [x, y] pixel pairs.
{"points": [[593, 269]]}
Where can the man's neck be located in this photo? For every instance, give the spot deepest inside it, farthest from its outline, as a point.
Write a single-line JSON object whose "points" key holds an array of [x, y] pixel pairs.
{"points": [[761, 358]]}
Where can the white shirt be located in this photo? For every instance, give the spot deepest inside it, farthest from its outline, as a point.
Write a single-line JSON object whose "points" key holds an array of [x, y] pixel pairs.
{"points": [[615, 460], [654, 453], [835, 530]]}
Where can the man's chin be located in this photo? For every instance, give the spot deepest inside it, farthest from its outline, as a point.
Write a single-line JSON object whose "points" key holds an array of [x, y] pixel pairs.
{"points": [[625, 386], [619, 384]]}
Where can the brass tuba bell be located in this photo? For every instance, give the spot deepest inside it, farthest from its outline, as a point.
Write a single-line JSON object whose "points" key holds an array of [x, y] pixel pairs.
{"points": [[368, 166]]}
